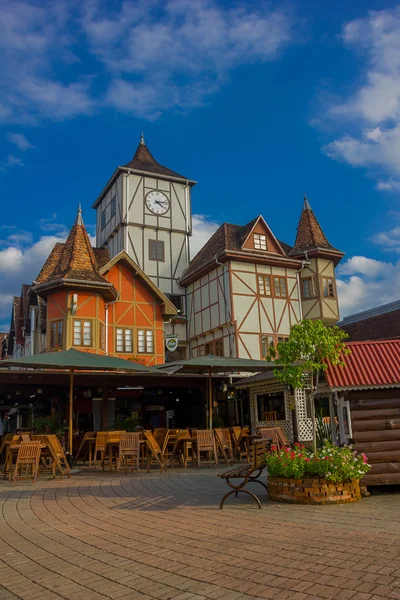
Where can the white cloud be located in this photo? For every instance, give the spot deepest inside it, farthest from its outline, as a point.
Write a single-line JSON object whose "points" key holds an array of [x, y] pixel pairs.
{"points": [[20, 141], [139, 57], [371, 114], [365, 282], [388, 240], [388, 185], [202, 231], [13, 161]]}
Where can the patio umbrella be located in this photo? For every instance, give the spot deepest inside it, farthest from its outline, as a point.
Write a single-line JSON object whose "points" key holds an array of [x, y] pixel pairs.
{"points": [[216, 364], [75, 360]]}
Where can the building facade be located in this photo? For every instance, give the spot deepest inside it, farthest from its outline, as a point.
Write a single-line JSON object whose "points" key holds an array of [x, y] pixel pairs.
{"points": [[145, 211], [83, 299], [245, 288]]}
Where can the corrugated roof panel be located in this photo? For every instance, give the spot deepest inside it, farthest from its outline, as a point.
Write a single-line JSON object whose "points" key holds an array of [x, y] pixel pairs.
{"points": [[369, 363]]}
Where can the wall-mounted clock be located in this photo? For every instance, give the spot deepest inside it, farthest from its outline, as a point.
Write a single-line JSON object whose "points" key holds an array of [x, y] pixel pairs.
{"points": [[157, 202]]}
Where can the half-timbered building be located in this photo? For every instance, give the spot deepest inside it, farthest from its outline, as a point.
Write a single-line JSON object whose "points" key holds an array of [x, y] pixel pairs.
{"points": [[245, 288], [98, 304]]}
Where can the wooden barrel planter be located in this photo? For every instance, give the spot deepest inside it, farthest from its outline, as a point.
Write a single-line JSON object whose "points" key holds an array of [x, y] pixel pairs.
{"points": [[312, 491]]}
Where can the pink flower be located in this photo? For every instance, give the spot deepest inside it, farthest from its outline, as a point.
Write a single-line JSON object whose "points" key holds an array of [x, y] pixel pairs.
{"points": [[364, 457]]}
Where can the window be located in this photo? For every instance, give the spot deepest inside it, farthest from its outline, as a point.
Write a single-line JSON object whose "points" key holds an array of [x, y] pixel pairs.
{"points": [[113, 206], [219, 347], [328, 287], [156, 250], [267, 341], [82, 333], [280, 290], [264, 285], [260, 242], [124, 340], [102, 336], [283, 338], [103, 219], [145, 341], [216, 348], [271, 407], [57, 334], [308, 288]]}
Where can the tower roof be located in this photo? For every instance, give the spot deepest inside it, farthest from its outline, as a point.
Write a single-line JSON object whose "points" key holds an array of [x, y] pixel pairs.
{"points": [[74, 261], [143, 160], [309, 233]]}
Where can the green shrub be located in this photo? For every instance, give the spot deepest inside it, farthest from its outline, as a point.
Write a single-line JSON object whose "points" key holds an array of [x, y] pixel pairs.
{"points": [[330, 462]]}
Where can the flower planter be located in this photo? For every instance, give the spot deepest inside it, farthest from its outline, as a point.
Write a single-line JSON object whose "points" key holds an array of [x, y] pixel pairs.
{"points": [[312, 490]]}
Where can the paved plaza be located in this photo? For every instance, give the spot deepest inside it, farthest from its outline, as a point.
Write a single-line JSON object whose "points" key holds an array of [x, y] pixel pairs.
{"points": [[150, 536]]}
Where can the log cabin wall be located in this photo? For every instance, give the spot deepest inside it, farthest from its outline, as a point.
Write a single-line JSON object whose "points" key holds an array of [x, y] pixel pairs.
{"points": [[375, 418]]}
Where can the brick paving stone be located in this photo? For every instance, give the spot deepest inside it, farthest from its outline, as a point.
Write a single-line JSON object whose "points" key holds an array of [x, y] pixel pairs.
{"points": [[146, 536]]}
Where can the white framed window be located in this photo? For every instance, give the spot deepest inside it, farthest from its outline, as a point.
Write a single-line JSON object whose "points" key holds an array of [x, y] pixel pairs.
{"points": [[260, 241], [328, 287], [82, 333], [145, 341], [264, 285], [124, 340]]}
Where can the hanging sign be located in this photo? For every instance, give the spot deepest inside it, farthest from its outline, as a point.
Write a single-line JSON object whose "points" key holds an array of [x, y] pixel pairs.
{"points": [[171, 342]]}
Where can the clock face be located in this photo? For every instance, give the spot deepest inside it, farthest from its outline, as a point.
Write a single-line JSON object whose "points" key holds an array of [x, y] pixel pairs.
{"points": [[157, 202]]}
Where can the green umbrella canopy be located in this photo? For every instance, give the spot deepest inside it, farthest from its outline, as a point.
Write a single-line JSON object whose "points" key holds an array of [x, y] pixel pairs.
{"points": [[217, 364], [75, 360]]}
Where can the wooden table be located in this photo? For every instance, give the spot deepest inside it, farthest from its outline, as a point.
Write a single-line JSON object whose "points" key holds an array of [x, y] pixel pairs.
{"points": [[183, 445]]}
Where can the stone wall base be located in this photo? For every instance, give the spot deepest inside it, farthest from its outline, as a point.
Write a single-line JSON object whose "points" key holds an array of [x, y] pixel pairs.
{"points": [[312, 491]]}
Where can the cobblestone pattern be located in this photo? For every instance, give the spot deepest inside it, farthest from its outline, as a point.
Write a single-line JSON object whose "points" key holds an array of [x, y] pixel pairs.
{"points": [[157, 537]]}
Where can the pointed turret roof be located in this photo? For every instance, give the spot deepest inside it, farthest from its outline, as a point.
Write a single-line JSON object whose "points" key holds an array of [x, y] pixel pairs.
{"points": [[144, 161], [309, 234], [75, 261]]}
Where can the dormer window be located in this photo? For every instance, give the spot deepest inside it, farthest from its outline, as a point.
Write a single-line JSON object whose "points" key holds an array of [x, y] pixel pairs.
{"points": [[260, 241]]}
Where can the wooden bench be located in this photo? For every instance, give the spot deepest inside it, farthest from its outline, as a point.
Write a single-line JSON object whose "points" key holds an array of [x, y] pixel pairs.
{"points": [[249, 473]]}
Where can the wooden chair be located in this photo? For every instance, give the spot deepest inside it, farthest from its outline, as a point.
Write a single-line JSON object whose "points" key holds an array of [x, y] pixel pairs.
{"points": [[223, 446], [238, 438], [129, 448], [89, 435], [26, 437], [59, 457], [112, 450], [100, 446], [276, 436], [28, 458], [270, 416], [9, 438], [177, 449], [159, 435], [205, 442], [154, 452]]}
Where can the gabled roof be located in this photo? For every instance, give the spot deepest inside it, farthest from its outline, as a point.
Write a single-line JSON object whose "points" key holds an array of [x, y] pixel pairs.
{"points": [[169, 307], [143, 160], [381, 322], [74, 262], [229, 238], [369, 365], [309, 234]]}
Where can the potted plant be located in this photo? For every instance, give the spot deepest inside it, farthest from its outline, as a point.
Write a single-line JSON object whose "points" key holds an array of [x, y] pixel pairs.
{"points": [[329, 476]]}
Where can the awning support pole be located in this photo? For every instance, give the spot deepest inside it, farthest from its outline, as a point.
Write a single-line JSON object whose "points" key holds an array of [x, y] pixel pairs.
{"points": [[210, 399], [71, 411]]}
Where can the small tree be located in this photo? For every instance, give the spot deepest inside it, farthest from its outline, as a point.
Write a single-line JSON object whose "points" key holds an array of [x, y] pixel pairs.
{"points": [[308, 350]]}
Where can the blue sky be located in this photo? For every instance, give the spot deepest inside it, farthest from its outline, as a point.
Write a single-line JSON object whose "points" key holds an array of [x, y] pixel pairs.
{"points": [[259, 102]]}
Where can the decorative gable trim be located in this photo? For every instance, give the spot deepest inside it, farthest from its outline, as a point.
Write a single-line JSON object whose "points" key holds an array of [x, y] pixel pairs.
{"points": [[269, 231]]}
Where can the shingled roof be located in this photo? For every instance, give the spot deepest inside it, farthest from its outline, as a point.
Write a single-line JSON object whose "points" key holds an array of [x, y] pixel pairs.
{"points": [[143, 160], [309, 233], [227, 238], [75, 260]]}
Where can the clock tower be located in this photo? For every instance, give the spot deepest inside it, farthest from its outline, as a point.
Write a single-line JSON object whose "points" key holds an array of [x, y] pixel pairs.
{"points": [[145, 209]]}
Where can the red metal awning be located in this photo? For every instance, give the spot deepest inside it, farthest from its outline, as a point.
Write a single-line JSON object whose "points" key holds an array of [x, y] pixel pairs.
{"points": [[369, 364]]}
